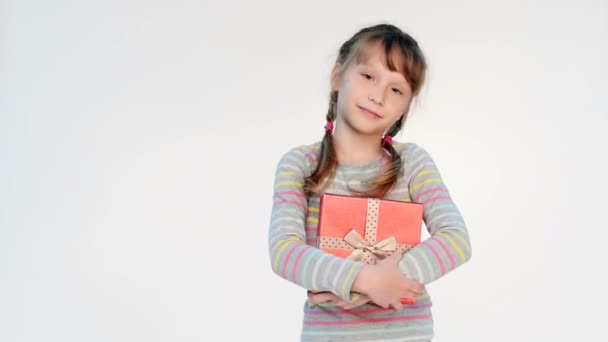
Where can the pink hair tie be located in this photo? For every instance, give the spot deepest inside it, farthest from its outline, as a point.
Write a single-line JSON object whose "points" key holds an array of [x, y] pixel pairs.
{"points": [[387, 140], [329, 127]]}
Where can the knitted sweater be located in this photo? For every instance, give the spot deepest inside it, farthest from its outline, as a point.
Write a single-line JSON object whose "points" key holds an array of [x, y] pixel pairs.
{"points": [[292, 242]]}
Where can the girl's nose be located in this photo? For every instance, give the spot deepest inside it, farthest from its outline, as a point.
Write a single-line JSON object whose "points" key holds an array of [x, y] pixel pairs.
{"points": [[375, 95]]}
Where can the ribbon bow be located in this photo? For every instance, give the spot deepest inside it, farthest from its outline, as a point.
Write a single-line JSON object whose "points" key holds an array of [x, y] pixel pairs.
{"points": [[379, 248]]}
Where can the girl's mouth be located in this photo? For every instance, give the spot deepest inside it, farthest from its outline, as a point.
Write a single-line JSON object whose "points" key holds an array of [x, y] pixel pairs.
{"points": [[370, 113]]}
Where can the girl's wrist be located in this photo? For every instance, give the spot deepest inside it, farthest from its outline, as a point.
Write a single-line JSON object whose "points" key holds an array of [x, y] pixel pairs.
{"points": [[362, 281]]}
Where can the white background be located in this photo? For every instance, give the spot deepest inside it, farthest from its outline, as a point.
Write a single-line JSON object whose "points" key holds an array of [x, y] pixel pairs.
{"points": [[138, 142]]}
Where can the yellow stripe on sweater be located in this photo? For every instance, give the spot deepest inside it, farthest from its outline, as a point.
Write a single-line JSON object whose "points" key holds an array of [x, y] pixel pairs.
{"points": [[454, 245], [348, 276], [286, 244], [428, 181], [280, 184], [464, 243], [285, 174], [312, 220], [293, 238], [426, 172]]}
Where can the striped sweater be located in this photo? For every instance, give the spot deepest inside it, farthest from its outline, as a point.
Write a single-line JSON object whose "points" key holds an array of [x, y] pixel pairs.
{"points": [[292, 242]]}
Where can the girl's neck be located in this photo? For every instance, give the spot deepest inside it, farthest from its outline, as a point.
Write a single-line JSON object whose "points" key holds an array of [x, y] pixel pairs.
{"points": [[356, 149]]}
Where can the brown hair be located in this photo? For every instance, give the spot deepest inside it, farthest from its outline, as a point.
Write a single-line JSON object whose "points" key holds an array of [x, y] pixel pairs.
{"points": [[413, 69]]}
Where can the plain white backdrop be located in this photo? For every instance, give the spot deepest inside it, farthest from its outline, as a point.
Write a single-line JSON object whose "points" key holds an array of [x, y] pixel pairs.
{"points": [[138, 142]]}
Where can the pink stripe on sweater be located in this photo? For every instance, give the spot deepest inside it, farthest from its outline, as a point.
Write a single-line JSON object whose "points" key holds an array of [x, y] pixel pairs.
{"points": [[311, 241], [291, 203], [364, 312], [312, 229], [446, 250], [295, 266], [371, 320], [311, 156], [293, 193], [441, 265], [431, 190], [286, 261], [433, 199]]}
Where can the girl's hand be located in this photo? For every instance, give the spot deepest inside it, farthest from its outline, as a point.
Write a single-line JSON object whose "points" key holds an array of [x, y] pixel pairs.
{"points": [[416, 288], [363, 299], [385, 285], [329, 298]]}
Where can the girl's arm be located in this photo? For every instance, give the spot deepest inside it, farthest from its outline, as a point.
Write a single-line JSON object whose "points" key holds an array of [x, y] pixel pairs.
{"points": [[291, 258], [449, 245]]}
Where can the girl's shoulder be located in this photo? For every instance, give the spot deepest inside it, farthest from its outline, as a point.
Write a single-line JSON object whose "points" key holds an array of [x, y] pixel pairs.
{"points": [[303, 157], [408, 149], [304, 150], [414, 157]]}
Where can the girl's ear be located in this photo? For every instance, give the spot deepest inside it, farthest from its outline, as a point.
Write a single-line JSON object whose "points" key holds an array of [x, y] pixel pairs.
{"points": [[335, 77]]}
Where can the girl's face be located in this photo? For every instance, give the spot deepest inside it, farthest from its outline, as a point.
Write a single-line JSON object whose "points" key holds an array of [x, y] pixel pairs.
{"points": [[371, 97]]}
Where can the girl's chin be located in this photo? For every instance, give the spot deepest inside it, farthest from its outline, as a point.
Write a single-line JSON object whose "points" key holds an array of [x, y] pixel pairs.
{"points": [[367, 131], [364, 126]]}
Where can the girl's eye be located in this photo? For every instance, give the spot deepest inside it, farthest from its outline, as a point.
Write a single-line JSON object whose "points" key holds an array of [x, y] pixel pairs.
{"points": [[367, 76], [398, 91]]}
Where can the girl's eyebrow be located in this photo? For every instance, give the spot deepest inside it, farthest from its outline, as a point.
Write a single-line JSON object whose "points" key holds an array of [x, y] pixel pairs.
{"points": [[401, 81]]}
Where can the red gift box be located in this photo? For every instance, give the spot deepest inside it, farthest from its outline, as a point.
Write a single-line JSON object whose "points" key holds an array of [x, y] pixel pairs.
{"points": [[368, 229]]}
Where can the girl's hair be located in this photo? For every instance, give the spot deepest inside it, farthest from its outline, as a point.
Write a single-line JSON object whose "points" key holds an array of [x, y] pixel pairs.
{"points": [[394, 41]]}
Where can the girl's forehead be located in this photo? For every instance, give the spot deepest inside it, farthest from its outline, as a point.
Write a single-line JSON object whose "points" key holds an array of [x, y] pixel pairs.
{"points": [[371, 54]]}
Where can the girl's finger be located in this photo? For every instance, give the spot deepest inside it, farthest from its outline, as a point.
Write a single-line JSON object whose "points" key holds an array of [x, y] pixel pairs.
{"points": [[318, 298], [413, 295], [409, 286], [341, 303], [417, 287], [397, 305], [416, 290]]}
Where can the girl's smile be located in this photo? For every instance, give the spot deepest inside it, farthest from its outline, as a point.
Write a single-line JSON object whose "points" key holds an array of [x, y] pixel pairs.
{"points": [[370, 113]]}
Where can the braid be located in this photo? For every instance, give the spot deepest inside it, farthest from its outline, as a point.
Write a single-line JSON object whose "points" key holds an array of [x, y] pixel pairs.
{"points": [[396, 127], [385, 182], [328, 161], [396, 162]]}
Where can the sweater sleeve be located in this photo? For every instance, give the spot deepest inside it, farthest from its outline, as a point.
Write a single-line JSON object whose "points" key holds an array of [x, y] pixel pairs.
{"points": [[290, 257], [449, 246]]}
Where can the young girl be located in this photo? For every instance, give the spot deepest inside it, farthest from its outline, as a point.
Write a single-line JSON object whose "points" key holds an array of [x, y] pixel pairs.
{"points": [[377, 74]]}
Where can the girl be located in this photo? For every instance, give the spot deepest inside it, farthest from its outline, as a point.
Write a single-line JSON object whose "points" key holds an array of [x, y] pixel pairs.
{"points": [[377, 74]]}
